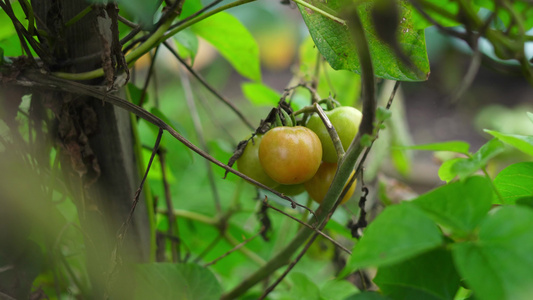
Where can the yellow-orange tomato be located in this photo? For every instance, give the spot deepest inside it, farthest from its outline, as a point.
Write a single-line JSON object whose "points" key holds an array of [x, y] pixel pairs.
{"points": [[318, 186], [290, 155]]}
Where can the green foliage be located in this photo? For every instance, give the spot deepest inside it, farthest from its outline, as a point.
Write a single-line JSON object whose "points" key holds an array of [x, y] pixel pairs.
{"points": [[497, 264], [260, 94], [515, 182], [473, 235], [176, 281], [520, 142], [431, 275], [335, 42], [458, 206], [390, 239], [241, 52]]}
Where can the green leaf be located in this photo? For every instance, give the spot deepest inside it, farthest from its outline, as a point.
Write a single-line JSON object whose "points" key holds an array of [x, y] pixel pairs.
{"points": [[459, 206], [335, 42], [400, 232], [515, 181], [227, 34], [448, 6], [337, 289], [260, 94], [400, 137], [467, 166], [452, 146], [303, 288], [520, 142], [176, 281], [445, 170], [498, 264], [409, 279], [187, 43], [368, 296], [135, 94], [525, 201]]}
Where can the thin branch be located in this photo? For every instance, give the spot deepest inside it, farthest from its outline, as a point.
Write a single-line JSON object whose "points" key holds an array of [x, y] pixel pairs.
{"points": [[309, 226], [331, 131], [199, 12], [124, 228], [172, 224], [148, 77], [237, 247], [318, 10], [208, 249], [209, 87], [200, 134]]}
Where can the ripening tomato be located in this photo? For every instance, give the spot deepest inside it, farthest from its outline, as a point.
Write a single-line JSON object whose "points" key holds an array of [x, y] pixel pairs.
{"points": [[318, 186], [249, 165], [290, 155], [346, 121]]}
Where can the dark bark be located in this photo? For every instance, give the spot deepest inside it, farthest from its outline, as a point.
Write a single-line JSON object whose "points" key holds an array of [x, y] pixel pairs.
{"points": [[94, 140]]}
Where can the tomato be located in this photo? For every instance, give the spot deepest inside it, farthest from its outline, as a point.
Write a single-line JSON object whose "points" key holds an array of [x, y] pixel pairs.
{"points": [[291, 190], [318, 186], [290, 155], [249, 165], [346, 121]]}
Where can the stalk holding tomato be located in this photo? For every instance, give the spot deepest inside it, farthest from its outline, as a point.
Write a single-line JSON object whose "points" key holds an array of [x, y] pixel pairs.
{"points": [[346, 121]]}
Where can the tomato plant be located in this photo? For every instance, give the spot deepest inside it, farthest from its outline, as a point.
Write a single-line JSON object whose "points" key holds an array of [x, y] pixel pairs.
{"points": [[346, 120], [290, 155], [318, 186], [249, 163]]}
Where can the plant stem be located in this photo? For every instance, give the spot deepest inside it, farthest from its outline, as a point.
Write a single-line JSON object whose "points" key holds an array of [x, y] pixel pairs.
{"points": [[318, 10]]}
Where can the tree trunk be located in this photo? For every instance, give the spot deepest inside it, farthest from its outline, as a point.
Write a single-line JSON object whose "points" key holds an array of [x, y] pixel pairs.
{"points": [[95, 143]]}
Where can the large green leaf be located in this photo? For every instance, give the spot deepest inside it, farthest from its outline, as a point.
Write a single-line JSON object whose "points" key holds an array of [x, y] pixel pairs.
{"points": [[400, 232], [443, 13], [335, 42], [409, 279], [227, 34], [176, 281], [520, 142], [498, 265], [515, 182], [459, 206]]}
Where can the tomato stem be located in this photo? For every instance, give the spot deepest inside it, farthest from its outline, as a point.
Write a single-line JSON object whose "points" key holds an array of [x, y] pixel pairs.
{"points": [[332, 132]]}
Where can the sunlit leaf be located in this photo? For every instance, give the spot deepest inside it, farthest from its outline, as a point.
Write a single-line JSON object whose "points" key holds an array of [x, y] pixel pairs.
{"points": [[240, 50], [260, 94], [520, 142], [514, 182], [453, 146]]}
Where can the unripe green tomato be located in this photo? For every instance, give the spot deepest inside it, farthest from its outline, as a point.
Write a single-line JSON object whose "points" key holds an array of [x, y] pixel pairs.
{"points": [[291, 189], [290, 155], [346, 120], [318, 186], [249, 164]]}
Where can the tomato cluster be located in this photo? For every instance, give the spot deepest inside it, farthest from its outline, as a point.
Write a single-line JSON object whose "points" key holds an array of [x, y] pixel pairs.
{"points": [[293, 159]]}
